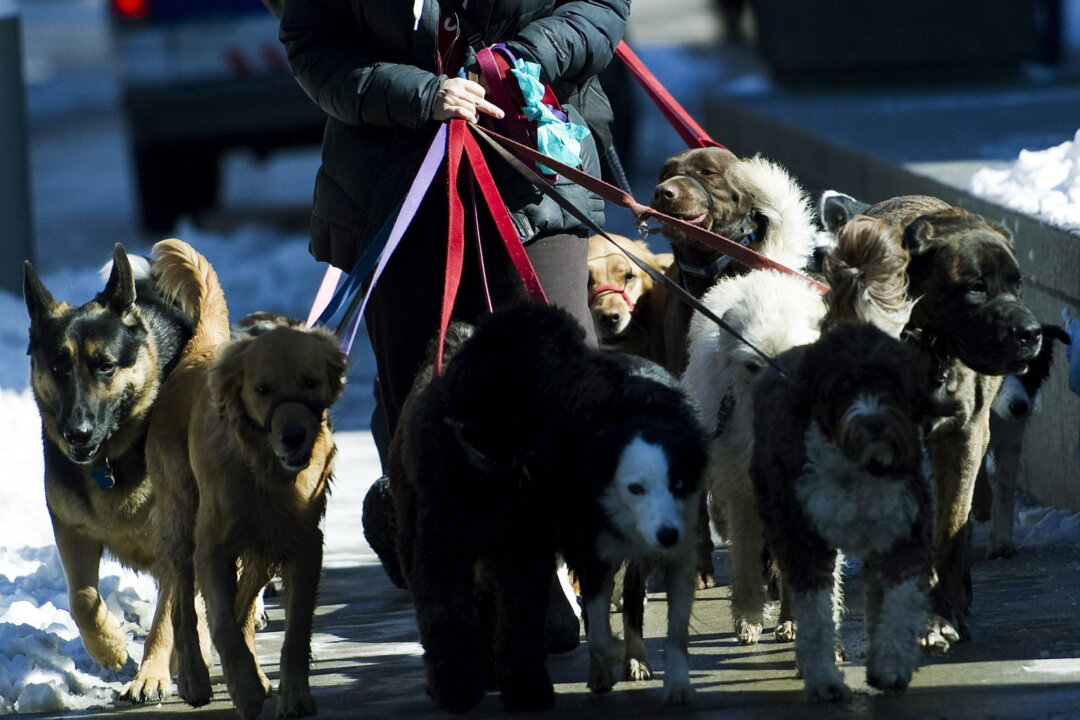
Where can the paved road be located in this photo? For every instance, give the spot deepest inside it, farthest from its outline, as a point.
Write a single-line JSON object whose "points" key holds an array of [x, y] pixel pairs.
{"points": [[1024, 662]]}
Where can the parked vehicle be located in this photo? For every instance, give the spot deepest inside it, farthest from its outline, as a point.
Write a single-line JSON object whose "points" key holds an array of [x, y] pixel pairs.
{"points": [[200, 77]]}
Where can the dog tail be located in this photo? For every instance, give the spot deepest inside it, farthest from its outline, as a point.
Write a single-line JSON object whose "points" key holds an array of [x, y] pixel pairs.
{"points": [[186, 277], [867, 276]]}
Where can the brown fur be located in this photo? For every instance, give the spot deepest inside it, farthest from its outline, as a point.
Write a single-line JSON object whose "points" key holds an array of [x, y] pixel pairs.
{"points": [[971, 327], [638, 331], [95, 372], [243, 483]]}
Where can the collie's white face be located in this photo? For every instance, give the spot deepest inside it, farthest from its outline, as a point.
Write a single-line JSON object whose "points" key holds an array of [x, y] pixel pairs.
{"points": [[643, 502], [1013, 401]]}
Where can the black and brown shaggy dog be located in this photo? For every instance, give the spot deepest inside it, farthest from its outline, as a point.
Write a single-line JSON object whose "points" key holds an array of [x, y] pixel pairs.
{"points": [[836, 467], [530, 443], [971, 327], [241, 455], [95, 372]]}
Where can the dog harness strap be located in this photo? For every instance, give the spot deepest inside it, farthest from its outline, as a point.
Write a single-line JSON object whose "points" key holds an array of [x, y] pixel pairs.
{"points": [[611, 288], [745, 255], [691, 133]]}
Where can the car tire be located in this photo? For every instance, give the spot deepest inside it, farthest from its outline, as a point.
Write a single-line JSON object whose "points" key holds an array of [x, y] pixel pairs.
{"points": [[174, 181]]}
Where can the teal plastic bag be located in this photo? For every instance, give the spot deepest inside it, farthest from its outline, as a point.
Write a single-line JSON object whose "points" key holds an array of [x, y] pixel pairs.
{"points": [[555, 138]]}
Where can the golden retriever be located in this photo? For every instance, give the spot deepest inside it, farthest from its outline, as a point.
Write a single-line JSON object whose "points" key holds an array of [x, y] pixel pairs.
{"points": [[240, 450], [627, 305]]}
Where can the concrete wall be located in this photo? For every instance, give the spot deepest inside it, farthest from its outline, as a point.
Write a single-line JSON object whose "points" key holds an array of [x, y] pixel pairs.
{"points": [[1048, 257]]}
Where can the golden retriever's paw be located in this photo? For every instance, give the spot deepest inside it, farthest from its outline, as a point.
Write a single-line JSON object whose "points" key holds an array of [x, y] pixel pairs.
{"points": [[299, 704], [785, 632], [637, 670], [107, 646], [268, 687], [194, 687], [678, 691], [147, 687], [705, 580], [747, 633]]}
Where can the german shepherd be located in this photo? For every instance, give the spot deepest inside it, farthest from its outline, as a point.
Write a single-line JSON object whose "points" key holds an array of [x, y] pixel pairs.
{"points": [[95, 374]]}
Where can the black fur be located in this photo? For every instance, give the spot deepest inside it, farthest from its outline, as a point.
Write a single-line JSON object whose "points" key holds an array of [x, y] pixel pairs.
{"points": [[497, 466]]}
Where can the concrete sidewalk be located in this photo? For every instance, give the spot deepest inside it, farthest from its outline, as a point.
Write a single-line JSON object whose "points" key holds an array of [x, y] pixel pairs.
{"points": [[1023, 663]]}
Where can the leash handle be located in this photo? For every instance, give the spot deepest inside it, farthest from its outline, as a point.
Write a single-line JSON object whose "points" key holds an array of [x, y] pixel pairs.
{"points": [[692, 133]]}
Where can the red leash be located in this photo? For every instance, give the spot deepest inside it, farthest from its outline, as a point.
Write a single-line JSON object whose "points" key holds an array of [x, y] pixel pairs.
{"points": [[461, 142], [741, 253], [692, 133]]}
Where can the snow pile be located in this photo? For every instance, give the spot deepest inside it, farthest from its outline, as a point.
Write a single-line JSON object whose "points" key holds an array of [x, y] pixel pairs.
{"points": [[1041, 183], [1041, 526]]}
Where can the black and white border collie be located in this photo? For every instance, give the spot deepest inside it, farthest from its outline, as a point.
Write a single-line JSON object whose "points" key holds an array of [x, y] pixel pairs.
{"points": [[837, 468], [1016, 401], [529, 444]]}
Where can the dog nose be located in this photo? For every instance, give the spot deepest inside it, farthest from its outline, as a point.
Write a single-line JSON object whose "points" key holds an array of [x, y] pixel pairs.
{"points": [[79, 435], [611, 319], [1028, 334], [1018, 407], [292, 436], [665, 192], [667, 536], [875, 426]]}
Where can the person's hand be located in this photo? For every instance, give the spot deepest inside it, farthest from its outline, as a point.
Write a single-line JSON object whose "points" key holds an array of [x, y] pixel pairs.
{"points": [[461, 98]]}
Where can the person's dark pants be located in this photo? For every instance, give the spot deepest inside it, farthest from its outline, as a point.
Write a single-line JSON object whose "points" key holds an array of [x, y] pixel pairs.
{"points": [[402, 316]]}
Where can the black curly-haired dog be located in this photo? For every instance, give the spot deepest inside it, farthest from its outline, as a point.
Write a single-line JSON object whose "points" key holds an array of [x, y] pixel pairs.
{"points": [[837, 467], [530, 443]]}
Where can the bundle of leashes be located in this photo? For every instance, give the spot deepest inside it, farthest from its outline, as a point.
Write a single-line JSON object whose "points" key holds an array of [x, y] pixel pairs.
{"points": [[454, 143]]}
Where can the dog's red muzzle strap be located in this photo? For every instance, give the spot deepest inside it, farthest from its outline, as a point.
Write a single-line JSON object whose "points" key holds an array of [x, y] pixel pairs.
{"points": [[598, 291]]}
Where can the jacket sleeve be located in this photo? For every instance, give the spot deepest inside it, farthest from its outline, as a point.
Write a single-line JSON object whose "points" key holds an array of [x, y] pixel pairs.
{"points": [[576, 41], [333, 58]]}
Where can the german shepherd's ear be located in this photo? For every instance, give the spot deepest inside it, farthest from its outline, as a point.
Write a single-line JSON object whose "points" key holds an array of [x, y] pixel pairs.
{"points": [[226, 379], [39, 302], [119, 292]]}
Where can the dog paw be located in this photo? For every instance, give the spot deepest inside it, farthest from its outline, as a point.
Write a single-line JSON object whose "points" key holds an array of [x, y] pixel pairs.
{"points": [[601, 677], [453, 690], [246, 690], [531, 692], [939, 637], [827, 691], [891, 681], [705, 580], [194, 687], [299, 704], [785, 632], [147, 688], [678, 692], [637, 670], [107, 646], [746, 632], [1001, 550]]}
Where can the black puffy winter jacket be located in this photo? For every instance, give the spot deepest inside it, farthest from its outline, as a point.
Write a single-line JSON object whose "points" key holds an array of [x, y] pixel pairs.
{"points": [[371, 66]]}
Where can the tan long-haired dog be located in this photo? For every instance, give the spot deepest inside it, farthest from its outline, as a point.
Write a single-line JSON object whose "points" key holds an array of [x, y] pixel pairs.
{"points": [[627, 305], [241, 453]]}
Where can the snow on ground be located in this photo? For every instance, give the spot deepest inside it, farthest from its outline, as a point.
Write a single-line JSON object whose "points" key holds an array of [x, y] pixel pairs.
{"points": [[1042, 183]]}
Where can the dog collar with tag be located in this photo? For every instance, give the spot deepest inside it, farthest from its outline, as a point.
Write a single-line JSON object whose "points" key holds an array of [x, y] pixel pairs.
{"points": [[103, 475]]}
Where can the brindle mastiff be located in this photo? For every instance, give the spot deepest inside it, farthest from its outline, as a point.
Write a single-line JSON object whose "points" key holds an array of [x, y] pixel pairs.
{"points": [[972, 328]]}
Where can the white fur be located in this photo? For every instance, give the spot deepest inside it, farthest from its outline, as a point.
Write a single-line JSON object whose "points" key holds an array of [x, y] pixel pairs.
{"points": [[849, 507], [792, 233], [1012, 389], [639, 501], [774, 311], [815, 645], [894, 643]]}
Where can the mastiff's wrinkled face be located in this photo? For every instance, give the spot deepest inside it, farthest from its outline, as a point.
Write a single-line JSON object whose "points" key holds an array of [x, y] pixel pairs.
{"points": [[701, 187], [968, 286]]}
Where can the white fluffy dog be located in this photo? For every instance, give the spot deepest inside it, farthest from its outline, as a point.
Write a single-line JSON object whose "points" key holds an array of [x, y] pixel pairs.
{"points": [[774, 311]]}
